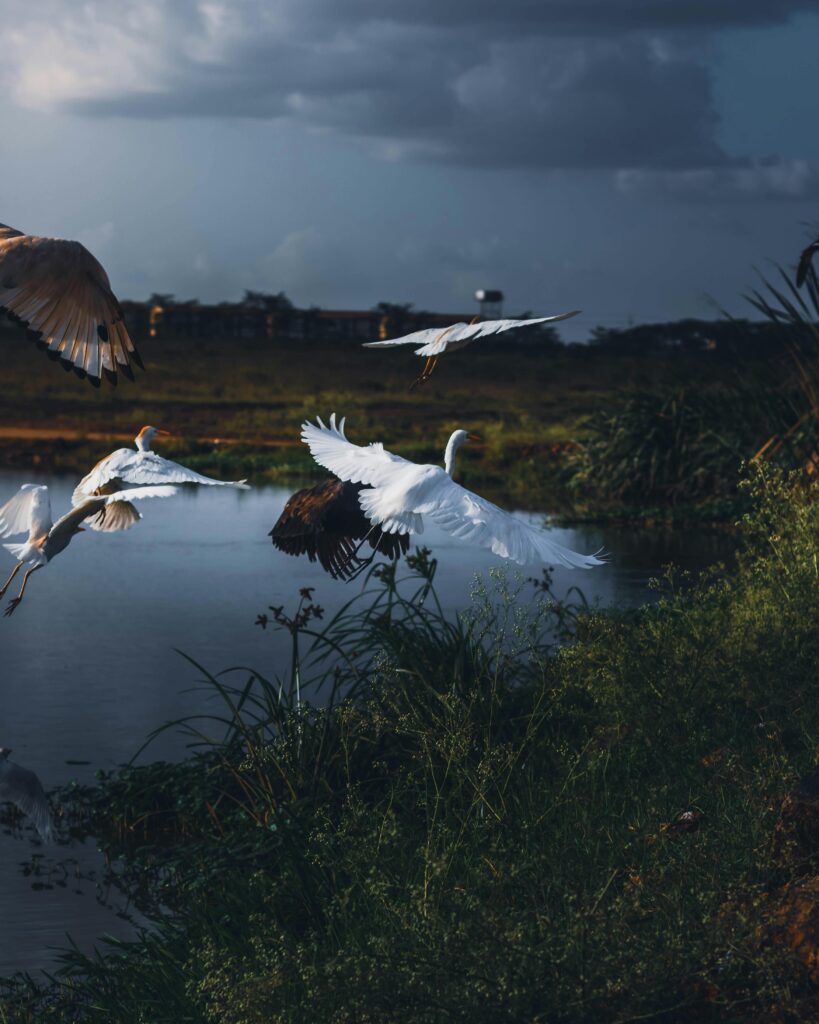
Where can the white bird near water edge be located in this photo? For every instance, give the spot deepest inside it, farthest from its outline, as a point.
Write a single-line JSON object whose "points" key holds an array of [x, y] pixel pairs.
{"points": [[29, 511], [400, 494], [434, 341], [23, 788], [61, 294], [126, 469]]}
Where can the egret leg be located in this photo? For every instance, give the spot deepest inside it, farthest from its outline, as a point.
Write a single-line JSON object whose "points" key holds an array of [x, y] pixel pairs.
{"points": [[432, 361], [16, 600], [423, 376], [7, 584]]}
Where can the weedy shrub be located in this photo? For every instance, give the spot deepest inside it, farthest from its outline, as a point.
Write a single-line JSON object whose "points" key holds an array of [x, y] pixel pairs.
{"points": [[526, 813], [660, 448], [795, 439], [650, 449]]}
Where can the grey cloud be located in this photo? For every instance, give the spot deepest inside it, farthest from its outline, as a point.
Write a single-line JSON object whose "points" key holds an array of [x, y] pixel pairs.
{"points": [[583, 17], [785, 180], [535, 83]]}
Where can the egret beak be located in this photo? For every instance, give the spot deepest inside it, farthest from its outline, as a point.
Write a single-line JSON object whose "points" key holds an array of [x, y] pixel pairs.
{"points": [[163, 433], [474, 437]]}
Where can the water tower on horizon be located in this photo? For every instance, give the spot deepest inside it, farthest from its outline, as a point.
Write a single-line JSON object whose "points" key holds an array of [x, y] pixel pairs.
{"points": [[491, 302]]}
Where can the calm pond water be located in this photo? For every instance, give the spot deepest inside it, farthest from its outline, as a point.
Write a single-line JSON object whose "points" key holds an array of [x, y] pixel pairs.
{"points": [[89, 664]]}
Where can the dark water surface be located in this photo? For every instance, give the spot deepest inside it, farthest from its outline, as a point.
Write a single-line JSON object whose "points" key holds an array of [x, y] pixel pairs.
{"points": [[88, 666]]}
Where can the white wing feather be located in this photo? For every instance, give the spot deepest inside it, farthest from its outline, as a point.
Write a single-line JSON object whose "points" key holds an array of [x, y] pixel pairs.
{"points": [[93, 506], [435, 340], [465, 333], [429, 334], [331, 449], [29, 511], [467, 515], [138, 493], [126, 466], [430, 492], [401, 493], [103, 473]]}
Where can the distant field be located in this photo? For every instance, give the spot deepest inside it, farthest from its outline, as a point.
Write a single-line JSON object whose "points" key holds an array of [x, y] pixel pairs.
{"points": [[526, 402]]}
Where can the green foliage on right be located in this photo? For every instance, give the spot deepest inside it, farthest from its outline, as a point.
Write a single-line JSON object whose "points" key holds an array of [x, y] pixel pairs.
{"points": [[682, 448]]}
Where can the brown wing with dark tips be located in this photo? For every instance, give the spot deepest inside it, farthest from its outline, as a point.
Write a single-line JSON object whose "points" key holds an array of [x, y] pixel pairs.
{"points": [[805, 262], [61, 294], [325, 522]]}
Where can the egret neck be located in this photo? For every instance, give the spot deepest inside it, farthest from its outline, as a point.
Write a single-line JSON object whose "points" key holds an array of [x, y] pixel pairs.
{"points": [[452, 445], [146, 435]]}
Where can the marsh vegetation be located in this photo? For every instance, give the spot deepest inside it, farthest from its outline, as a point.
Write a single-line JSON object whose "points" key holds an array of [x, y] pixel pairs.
{"points": [[554, 815]]}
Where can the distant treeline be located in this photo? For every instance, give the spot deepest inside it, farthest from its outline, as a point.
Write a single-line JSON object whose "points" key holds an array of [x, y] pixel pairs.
{"points": [[273, 316]]}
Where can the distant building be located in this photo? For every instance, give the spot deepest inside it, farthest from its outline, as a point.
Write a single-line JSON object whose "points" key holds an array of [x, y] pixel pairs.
{"points": [[241, 320], [491, 303]]}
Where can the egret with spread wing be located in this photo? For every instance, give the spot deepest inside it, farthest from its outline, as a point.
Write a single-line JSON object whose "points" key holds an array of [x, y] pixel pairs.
{"points": [[63, 296], [126, 469], [29, 511], [400, 494], [434, 341], [324, 522], [21, 787]]}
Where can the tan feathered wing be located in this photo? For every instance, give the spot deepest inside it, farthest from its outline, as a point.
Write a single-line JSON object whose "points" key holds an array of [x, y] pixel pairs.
{"points": [[62, 295]]}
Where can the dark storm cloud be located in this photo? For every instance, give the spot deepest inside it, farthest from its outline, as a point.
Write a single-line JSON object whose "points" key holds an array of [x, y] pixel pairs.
{"points": [[583, 17], [534, 83]]}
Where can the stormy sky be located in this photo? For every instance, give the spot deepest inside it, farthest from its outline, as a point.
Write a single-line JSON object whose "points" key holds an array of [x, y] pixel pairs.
{"points": [[628, 157]]}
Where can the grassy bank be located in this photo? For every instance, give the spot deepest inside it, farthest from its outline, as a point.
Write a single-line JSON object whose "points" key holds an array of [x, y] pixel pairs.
{"points": [[469, 823]]}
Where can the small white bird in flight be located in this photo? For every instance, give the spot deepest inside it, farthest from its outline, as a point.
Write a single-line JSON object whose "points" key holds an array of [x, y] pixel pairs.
{"points": [[63, 296], [21, 787], [401, 494], [126, 469], [434, 341], [29, 511]]}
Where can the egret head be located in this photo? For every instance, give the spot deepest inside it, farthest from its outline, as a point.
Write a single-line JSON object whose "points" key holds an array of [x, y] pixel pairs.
{"points": [[146, 435], [458, 438]]}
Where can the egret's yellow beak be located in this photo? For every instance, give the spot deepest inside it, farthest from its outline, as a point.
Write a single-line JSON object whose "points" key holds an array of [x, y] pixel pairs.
{"points": [[474, 437], [163, 433]]}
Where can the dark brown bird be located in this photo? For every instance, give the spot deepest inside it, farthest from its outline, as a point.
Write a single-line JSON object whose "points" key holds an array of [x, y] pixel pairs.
{"points": [[325, 522], [805, 262]]}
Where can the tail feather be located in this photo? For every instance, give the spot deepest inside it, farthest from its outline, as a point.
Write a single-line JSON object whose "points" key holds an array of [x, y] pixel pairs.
{"points": [[118, 515], [16, 550], [390, 521]]}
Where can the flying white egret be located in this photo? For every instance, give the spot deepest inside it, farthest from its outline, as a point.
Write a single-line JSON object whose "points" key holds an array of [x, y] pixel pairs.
{"points": [[21, 787], [324, 521], [434, 341], [126, 469], [400, 494], [29, 511], [63, 296]]}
